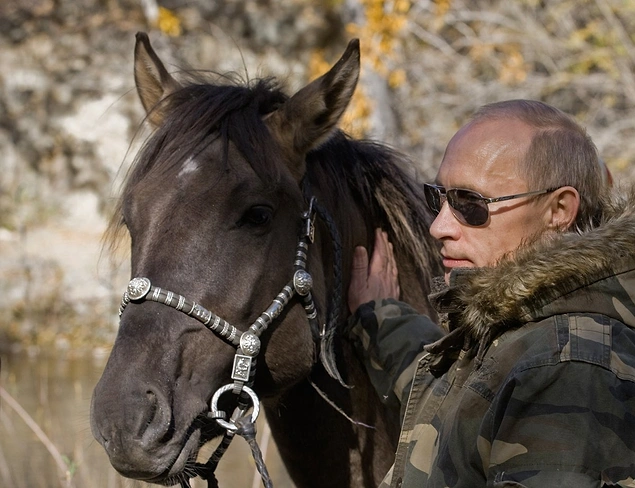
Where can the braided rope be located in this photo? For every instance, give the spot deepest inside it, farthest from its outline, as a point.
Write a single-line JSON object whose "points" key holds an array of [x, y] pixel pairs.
{"points": [[335, 307], [327, 335], [247, 430]]}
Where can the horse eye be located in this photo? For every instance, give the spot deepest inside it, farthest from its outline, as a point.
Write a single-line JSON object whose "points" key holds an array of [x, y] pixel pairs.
{"points": [[258, 215]]}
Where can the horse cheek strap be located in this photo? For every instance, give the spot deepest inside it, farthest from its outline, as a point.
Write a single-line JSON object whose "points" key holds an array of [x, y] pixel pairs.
{"points": [[247, 344]]}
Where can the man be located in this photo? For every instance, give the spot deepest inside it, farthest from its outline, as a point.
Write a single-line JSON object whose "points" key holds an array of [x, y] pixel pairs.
{"points": [[533, 381]]}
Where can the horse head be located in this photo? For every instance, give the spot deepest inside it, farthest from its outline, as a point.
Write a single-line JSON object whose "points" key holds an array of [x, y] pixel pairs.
{"points": [[228, 243]]}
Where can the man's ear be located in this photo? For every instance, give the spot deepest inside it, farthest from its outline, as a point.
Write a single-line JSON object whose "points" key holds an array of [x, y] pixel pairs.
{"points": [[563, 208]]}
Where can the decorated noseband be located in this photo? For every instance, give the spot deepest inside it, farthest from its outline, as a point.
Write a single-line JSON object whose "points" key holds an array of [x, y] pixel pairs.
{"points": [[248, 342]]}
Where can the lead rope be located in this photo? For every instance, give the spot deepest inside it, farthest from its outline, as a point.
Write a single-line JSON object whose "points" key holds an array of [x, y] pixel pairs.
{"points": [[329, 329], [247, 348]]}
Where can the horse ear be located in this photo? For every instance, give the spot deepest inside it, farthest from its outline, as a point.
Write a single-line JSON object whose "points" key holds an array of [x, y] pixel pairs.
{"points": [[153, 81], [308, 117]]}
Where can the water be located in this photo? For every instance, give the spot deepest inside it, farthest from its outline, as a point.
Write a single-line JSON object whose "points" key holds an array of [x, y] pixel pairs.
{"points": [[56, 393]]}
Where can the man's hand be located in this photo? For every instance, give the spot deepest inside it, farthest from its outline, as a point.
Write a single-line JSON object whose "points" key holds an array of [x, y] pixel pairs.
{"points": [[374, 280]]}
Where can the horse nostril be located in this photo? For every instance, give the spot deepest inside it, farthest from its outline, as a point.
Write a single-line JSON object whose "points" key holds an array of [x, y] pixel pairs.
{"points": [[156, 424], [152, 401]]}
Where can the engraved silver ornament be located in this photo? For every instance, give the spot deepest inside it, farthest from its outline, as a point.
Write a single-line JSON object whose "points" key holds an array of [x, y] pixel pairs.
{"points": [[302, 282], [249, 343], [138, 288]]}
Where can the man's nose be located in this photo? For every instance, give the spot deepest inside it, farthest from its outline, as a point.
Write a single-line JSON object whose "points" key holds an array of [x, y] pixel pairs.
{"points": [[445, 225]]}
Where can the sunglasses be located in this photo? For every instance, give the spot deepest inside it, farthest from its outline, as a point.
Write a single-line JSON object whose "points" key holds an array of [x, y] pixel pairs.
{"points": [[469, 207]]}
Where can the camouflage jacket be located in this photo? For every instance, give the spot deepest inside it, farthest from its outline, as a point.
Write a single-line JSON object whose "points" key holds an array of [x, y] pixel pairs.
{"points": [[533, 382]]}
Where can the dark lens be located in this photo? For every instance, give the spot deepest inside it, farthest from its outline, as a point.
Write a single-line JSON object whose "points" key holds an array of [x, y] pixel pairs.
{"points": [[433, 198], [469, 206]]}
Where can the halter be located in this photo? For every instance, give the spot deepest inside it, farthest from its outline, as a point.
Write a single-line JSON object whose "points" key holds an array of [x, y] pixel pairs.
{"points": [[247, 345]]}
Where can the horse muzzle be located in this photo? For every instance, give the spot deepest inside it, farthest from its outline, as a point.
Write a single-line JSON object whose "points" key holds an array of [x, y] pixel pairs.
{"points": [[140, 436]]}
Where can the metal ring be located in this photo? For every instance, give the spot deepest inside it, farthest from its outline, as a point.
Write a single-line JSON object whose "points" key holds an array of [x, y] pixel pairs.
{"points": [[217, 413]]}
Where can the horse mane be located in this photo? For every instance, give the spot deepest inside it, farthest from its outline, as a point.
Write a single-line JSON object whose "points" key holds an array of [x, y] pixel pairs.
{"points": [[369, 174], [381, 180]]}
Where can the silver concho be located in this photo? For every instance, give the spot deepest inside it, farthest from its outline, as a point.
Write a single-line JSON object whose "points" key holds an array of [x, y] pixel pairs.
{"points": [[138, 288], [302, 282], [249, 343]]}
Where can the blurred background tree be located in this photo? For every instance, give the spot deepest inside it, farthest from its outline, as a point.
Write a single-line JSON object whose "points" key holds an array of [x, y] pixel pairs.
{"points": [[70, 123], [70, 120]]}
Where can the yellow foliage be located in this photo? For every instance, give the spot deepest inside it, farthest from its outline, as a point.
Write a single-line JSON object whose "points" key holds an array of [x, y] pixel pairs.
{"points": [[169, 23], [595, 60], [514, 69], [481, 50], [396, 78], [318, 65], [379, 32], [356, 119], [619, 164], [593, 33], [596, 44], [401, 6], [383, 23], [442, 7]]}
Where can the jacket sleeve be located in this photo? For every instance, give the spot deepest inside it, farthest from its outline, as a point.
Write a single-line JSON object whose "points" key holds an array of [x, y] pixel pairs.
{"points": [[390, 336], [565, 424]]}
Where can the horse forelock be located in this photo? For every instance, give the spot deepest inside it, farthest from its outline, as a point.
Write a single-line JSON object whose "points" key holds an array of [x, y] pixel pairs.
{"points": [[198, 114]]}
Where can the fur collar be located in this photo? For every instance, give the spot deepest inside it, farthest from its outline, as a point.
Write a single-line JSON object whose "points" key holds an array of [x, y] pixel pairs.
{"points": [[482, 303]]}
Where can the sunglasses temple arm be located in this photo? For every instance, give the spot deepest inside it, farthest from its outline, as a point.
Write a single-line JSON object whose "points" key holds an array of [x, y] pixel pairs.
{"points": [[511, 197]]}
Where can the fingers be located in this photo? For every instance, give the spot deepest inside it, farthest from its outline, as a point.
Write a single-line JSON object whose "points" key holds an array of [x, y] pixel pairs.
{"points": [[379, 259], [357, 290], [359, 271], [360, 259], [385, 265], [377, 279], [392, 261], [383, 259]]}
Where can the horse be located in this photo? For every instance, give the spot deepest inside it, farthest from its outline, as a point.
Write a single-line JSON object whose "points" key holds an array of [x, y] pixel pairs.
{"points": [[244, 199]]}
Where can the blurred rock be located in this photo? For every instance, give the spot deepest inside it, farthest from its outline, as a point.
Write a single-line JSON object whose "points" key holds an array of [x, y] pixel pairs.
{"points": [[70, 121]]}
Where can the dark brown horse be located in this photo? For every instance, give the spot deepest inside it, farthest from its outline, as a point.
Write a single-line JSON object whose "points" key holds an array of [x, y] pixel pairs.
{"points": [[219, 207]]}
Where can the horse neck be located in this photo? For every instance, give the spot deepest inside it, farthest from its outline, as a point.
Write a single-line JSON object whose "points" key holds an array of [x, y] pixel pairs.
{"points": [[329, 435], [319, 423]]}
